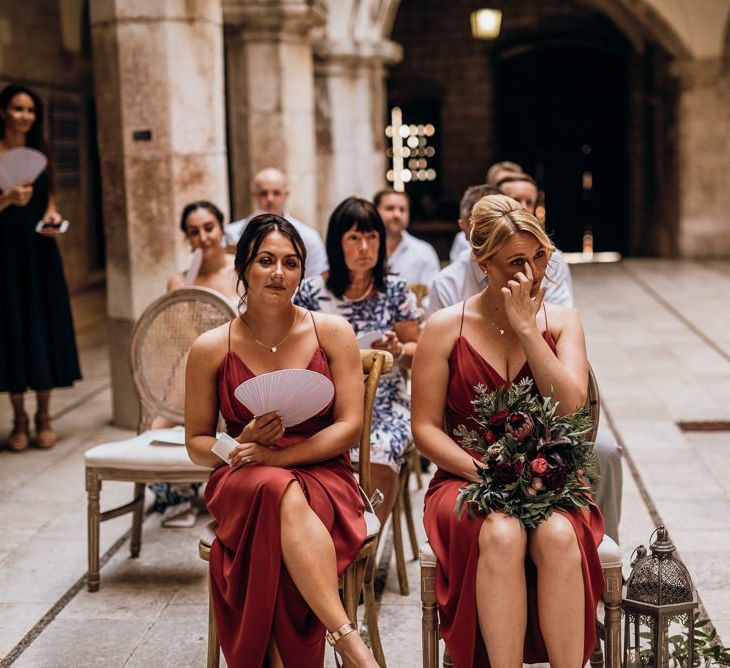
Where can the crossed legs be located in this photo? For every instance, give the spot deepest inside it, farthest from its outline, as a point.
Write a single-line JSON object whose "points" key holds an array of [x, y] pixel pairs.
{"points": [[502, 592], [309, 556]]}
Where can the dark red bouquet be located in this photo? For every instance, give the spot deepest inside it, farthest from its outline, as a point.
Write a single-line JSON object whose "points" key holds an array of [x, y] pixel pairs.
{"points": [[533, 461]]}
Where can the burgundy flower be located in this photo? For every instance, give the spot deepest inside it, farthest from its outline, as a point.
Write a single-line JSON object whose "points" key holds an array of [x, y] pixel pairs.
{"points": [[555, 479], [519, 425], [498, 418], [489, 436], [505, 473], [539, 465]]}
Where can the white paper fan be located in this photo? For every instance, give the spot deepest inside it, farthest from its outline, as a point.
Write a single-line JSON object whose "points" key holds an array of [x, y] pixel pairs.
{"points": [[20, 166], [196, 260], [366, 339], [297, 394]]}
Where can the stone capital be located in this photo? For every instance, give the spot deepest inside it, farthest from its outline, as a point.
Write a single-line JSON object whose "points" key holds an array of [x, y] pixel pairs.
{"points": [[337, 57], [259, 20]]}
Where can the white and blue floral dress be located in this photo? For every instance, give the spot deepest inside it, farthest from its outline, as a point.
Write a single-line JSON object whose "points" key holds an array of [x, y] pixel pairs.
{"points": [[391, 428]]}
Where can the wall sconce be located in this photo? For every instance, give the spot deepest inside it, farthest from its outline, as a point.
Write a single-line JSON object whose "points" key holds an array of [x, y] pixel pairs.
{"points": [[485, 23]]}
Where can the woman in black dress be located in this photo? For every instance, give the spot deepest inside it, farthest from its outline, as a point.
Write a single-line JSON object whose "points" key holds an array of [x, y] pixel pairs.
{"points": [[37, 345]]}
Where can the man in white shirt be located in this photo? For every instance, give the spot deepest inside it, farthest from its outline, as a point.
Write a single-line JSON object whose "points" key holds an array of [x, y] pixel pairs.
{"points": [[463, 278], [270, 190], [414, 260]]}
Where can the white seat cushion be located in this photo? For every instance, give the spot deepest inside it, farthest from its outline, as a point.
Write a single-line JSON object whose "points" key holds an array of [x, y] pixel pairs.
{"points": [[608, 551], [138, 453]]}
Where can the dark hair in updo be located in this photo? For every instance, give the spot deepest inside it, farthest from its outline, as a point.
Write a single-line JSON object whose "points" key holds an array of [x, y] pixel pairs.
{"points": [[194, 206], [253, 236], [364, 217]]}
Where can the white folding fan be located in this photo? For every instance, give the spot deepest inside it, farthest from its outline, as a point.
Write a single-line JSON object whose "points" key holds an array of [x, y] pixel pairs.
{"points": [[297, 394], [365, 340], [20, 166], [196, 261]]}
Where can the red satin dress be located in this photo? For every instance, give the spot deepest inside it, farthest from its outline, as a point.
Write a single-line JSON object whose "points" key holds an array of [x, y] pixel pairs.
{"points": [[455, 539], [253, 594]]}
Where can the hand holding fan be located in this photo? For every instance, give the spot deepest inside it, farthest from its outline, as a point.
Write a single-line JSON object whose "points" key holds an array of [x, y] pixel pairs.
{"points": [[20, 166], [298, 394], [365, 340]]}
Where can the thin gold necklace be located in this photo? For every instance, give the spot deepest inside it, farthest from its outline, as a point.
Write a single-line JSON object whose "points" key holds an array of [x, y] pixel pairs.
{"points": [[275, 347], [491, 322]]}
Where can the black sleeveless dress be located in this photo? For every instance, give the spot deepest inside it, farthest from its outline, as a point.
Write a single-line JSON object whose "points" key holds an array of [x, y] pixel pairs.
{"points": [[37, 344]]}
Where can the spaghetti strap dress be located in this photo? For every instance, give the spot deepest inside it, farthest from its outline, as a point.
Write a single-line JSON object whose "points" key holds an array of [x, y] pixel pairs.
{"points": [[455, 543], [253, 595]]}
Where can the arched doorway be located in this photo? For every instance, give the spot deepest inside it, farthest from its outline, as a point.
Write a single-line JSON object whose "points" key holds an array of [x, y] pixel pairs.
{"points": [[584, 101]]}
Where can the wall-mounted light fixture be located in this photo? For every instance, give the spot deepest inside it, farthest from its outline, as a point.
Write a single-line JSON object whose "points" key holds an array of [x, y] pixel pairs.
{"points": [[485, 23]]}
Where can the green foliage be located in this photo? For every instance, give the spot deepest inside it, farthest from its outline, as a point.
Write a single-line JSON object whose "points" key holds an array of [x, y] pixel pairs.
{"points": [[515, 427]]}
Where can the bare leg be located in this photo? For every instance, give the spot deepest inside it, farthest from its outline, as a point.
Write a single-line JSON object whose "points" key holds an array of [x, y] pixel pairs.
{"points": [[274, 656], [501, 589], [19, 436], [309, 556], [385, 479], [561, 606]]}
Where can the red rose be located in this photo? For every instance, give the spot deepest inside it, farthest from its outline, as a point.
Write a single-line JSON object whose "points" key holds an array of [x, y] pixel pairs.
{"points": [[489, 436], [497, 419], [539, 465]]}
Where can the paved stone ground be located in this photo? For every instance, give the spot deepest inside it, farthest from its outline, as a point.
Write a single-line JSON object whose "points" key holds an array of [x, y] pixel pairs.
{"points": [[659, 340]]}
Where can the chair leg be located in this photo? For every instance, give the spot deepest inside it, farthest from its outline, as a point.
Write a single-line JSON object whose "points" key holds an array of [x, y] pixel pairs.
{"points": [[429, 618], [137, 517], [417, 468], [93, 522], [214, 648], [400, 557], [612, 619], [597, 655], [371, 611], [410, 523]]}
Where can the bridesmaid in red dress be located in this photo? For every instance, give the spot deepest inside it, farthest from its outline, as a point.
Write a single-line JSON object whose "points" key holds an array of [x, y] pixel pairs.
{"points": [[289, 512], [505, 594]]}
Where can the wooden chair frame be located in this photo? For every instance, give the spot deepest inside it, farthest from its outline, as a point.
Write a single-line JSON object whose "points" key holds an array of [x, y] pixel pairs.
{"points": [[360, 574], [150, 406], [608, 631]]}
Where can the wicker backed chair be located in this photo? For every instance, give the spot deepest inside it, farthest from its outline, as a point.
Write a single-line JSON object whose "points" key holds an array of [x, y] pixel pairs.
{"points": [[608, 631], [161, 340], [360, 574]]}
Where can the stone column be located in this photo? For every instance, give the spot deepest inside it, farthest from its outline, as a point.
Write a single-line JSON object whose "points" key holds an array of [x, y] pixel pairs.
{"points": [[270, 80], [351, 114], [704, 158], [158, 75]]}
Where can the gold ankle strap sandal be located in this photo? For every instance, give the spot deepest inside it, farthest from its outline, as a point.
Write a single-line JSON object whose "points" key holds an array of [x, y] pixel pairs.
{"points": [[345, 630]]}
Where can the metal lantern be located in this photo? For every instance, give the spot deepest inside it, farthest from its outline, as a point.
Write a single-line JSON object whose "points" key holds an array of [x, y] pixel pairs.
{"points": [[659, 606]]}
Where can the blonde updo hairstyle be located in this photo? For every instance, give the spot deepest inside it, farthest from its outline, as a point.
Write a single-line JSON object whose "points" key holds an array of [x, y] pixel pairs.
{"points": [[494, 219]]}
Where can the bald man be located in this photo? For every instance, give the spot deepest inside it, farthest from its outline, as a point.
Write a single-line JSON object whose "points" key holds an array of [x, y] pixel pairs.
{"points": [[270, 190]]}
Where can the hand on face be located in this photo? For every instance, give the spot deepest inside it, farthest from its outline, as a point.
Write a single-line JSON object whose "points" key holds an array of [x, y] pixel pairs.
{"points": [[520, 307]]}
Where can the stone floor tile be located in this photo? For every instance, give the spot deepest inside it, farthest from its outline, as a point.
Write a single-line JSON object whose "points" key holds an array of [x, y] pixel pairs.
{"points": [[16, 620]]}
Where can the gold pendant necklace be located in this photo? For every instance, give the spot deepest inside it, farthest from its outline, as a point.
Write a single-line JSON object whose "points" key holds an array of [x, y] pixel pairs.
{"points": [[275, 347], [491, 322]]}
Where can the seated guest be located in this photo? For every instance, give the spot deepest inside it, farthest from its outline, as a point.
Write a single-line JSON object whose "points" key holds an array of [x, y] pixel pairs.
{"points": [[470, 197], [202, 224], [289, 512], [270, 191], [359, 289], [501, 169], [413, 260], [463, 278], [505, 594]]}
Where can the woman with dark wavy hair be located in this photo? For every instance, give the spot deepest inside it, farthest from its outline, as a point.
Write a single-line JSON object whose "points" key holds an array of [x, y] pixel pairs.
{"points": [[36, 328], [289, 512], [375, 304]]}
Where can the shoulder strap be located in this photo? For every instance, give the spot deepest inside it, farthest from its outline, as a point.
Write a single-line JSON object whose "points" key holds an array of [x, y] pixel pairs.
{"points": [[316, 333], [463, 308], [544, 310], [230, 324]]}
